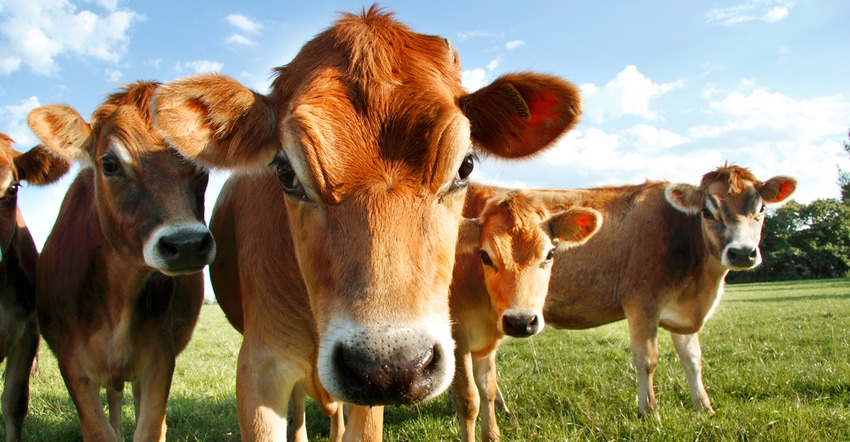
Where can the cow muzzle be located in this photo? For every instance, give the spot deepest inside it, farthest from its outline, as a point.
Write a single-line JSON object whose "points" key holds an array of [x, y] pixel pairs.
{"points": [[180, 250]]}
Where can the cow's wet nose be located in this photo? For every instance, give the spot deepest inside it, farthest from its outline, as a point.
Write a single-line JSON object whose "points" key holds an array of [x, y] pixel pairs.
{"points": [[191, 249], [520, 325], [742, 256]]}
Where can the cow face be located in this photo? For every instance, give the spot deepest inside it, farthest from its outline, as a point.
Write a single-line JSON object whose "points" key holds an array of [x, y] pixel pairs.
{"points": [[517, 240], [371, 138], [732, 204], [149, 199]]}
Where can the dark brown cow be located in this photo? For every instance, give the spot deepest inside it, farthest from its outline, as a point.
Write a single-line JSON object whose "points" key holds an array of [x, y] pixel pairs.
{"points": [[501, 276], [660, 259], [18, 255], [335, 262], [118, 285]]}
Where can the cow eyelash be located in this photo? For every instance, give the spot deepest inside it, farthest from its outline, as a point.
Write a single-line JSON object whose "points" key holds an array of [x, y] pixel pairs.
{"points": [[485, 258], [110, 165], [288, 178]]}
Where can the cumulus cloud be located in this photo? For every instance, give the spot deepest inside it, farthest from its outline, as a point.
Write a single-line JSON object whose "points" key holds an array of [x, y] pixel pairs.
{"points": [[35, 32], [513, 44], [244, 23], [199, 66], [628, 94], [14, 116], [651, 139], [473, 79], [769, 11], [241, 40]]}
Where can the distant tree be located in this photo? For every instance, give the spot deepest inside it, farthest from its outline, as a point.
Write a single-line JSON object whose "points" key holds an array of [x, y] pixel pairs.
{"points": [[844, 176]]}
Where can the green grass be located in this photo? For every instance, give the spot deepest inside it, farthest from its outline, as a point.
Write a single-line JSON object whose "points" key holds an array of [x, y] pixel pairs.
{"points": [[776, 366]]}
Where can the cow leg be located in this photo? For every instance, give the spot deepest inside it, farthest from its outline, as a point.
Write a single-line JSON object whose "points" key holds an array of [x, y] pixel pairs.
{"points": [[264, 383], [154, 386], [465, 396], [114, 398], [643, 333], [297, 429], [485, 379], [690, 356], [365, 424], [337, 429], [86, 396], [16, 388], [501, 405]]}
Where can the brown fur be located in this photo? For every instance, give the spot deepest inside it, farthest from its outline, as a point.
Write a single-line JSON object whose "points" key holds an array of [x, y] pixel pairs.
{"points": [[348, 273], [107, 309]]}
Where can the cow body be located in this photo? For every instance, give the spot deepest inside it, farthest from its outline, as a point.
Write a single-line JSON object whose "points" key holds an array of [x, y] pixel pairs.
{"points": [[335, 260], [19, 336], [501, 276], [660, 260], [118, 283]]}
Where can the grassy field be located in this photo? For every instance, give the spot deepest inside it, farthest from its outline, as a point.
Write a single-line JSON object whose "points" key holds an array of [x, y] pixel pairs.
{"points": [[777, 367]]}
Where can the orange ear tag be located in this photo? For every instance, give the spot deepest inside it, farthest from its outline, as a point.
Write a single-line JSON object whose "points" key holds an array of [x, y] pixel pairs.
{"points": [[515, 101]]}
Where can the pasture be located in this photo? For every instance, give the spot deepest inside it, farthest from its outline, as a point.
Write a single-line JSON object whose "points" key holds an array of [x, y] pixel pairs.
{"points": [[776, 365]]}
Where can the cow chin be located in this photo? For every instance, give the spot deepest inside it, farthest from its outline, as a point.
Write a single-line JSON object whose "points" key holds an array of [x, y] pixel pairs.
{"points": [[386, 365]]}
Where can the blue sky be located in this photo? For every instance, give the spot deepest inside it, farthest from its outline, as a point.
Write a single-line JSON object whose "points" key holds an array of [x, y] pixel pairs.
{"points": [[671, 89]]}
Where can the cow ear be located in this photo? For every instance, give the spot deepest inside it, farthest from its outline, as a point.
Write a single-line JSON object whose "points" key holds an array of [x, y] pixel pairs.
{"points": [[39, 166], [684, 197], [520, 114], [575, 226], [63, 131], [469, 236], [216, 121], [777, 189]]}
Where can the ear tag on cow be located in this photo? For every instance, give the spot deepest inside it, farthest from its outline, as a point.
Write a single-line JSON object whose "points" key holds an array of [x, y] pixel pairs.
{"points": [[515, 101]]}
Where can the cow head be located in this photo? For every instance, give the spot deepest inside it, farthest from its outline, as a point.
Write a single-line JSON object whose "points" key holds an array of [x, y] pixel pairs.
{"points": [[149, 199], [517, 239], [372, 140], [732, 204], [36, 166]]}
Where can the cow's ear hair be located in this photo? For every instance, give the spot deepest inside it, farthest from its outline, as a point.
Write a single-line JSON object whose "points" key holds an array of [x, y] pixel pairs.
{"points": [[39, 166], [520, 114], [777, 189], [469, 236], [575, 226], [63, 132], [684, 197], [215, 120]]}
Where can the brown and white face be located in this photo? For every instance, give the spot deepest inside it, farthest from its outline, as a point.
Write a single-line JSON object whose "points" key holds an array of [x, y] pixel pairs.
{"points": [[517, 240], [372, 144], [732, 204], [150, 199]]}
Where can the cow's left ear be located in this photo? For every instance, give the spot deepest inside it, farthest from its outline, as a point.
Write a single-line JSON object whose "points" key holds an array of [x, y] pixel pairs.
{"points": [[777, 189], [575, 226], [684, 197], [469, 236], [38, 166], [520, 114]]}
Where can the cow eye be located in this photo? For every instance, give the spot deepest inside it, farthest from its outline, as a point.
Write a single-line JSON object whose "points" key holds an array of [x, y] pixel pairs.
{"points": [[485, 258], [465, 170], [706, 213], [287, 177], [550, 256], [762, 210], [110, 165], [12, 191]]}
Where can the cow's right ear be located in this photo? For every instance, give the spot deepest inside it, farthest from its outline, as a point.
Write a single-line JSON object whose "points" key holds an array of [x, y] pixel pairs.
{"points": [[684, 197], [39, 166], [215, 120], [63, 131], [469, 236], [575, 226]]}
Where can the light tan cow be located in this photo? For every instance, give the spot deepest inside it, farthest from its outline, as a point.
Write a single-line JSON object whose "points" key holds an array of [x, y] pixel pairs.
{"points": [[336, 243], [501, 276], [660, 259], [118, 288], [18, 255]]}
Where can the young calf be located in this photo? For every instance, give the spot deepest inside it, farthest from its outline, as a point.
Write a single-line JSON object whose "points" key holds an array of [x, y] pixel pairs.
{"points": [[119, 287], [660, 260], [501, 275], [18, 255]]}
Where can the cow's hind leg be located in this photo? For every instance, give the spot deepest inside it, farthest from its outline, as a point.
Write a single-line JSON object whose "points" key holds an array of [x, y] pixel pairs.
{"points": [[16, 388], [297, 428], [690, 356], [501, 405], [643, 333], [264, 383], [114, 399], [465, 397]]}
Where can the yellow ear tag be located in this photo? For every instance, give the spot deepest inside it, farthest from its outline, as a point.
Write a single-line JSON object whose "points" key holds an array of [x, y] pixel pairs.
{"points": [[515, 101]]}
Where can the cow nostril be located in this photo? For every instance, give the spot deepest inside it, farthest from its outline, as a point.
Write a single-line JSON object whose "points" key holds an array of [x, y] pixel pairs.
{"points": [[168, 248], [754, 254]]}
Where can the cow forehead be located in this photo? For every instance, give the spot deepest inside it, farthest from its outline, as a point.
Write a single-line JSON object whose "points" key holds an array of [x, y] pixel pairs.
{"points": [[513, 228], [741, 200]]}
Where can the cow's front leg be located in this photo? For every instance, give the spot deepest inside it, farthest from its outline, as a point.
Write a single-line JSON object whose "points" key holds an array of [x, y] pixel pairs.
{"points": [[86, 396], [16, 388], [297, 429], [365, 424], [690, 356], [153, 387], [643, 333], [485, 380], [465, 396]]}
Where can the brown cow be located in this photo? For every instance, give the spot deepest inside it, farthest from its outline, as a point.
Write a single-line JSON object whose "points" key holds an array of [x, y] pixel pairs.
{"points": [[119, 287], [18, 255], [501, 276], [660, 259], [336, 261]]}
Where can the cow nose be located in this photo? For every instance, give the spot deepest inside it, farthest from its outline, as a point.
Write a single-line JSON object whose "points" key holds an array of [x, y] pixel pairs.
{"points": [[520, 325], [186, 249], [742, 256], [403, 378]]}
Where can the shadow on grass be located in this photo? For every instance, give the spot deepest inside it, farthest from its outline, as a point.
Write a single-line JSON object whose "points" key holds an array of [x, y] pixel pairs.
{"points": [[806, 298]]}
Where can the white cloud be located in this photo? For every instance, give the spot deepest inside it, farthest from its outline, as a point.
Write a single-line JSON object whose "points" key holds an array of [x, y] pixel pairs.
{"points": [[627, 94], [113, 75], [241, 40], [651, 139], [35, 32], [472, 34], [769, 11], [513, 44], [244, 23], [199, 66], [473, 79], [14, 116]]}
